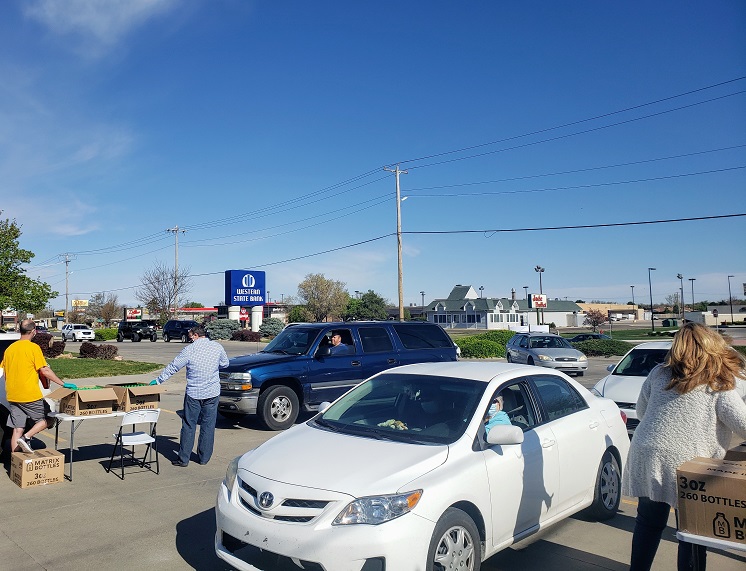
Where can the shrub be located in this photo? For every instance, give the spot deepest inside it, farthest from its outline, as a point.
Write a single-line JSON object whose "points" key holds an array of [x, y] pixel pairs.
{"points": [[91, 351], [501, 336], [246, 335], [271, 327], [44, 341], [106, 334], [222, 328], [88, 350], [603, 347], [475, 348], [57, 348]]}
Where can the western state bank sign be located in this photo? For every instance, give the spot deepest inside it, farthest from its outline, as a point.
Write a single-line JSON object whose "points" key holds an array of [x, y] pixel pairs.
{"points": [[244, 287]]}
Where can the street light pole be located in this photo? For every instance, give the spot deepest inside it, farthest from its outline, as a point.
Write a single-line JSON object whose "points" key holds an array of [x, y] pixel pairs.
{"points": [[540, 270], [422, 293], [481, 290], [397, 172], [525, 294], [633, 303], [650, 285], [730, 297], [681, 279], [692, 280]]}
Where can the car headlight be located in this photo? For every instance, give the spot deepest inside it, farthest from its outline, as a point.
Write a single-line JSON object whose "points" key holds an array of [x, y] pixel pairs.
{"points": [[230, 473], [544, 357], [374, 510], [243, 382], [582, 358]]}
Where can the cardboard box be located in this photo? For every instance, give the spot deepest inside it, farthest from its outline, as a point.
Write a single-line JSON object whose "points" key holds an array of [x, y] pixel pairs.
{"points": [[712, 499], [737, 453], [40, 468], [84, 402], [137, 396]]}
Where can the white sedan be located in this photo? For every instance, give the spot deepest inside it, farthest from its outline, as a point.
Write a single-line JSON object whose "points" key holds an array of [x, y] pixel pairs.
{"points": [[399, 473]]}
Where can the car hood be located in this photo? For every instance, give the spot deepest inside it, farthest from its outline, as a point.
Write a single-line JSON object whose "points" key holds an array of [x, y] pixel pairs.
{"points": [[358, 466], [248, 361], [621, 388], [557, 352]]}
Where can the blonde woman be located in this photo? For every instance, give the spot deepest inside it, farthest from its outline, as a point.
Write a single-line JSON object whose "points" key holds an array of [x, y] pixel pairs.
{"points": [[688, 407]]}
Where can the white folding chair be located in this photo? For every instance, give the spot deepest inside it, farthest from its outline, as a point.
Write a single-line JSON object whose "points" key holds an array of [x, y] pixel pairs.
{"points": [[135, 438]]}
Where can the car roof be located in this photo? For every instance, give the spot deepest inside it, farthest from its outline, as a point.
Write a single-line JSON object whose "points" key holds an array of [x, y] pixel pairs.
{"points": [[653, 345], [484, 372]]}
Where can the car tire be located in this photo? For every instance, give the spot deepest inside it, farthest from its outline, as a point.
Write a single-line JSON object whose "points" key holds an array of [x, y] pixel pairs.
{"points": [[166, 338], [120, 337], [135, 337], [278, 407], [507, 357], [154, 337], [184, 338], [455, 543], [530, 361], [608, 490]]}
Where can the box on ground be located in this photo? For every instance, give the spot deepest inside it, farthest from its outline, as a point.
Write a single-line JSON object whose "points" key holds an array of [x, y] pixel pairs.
{"points": [[84, 402], [737, 453], [137, 396], [712, 499], [38, 468]]}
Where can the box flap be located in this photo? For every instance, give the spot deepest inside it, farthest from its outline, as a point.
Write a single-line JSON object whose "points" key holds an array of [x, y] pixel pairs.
{"points": [[146, 390], [59, 394], [97, 395]]}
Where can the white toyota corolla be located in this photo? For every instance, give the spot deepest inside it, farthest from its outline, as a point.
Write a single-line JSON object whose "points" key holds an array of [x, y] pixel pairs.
{"points": [[400, 474]]}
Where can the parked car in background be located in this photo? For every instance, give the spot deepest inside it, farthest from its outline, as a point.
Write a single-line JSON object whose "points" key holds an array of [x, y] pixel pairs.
{"points": [[546, 350], [401, 474], [136, 330], [178, 329], [77, 332], [588, 337], [299, 368]]}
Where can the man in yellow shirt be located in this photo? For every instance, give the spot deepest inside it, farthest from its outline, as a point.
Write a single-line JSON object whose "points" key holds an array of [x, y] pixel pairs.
{"points": [[23, 361]]}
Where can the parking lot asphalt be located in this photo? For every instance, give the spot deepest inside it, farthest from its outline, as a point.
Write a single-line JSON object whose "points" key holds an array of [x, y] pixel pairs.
{"points": [[167, 521]]}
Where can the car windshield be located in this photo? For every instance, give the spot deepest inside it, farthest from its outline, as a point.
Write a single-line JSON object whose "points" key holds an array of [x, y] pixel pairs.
{"points": [[548, 342], [416, 409], [293, 341], [639, 362]]}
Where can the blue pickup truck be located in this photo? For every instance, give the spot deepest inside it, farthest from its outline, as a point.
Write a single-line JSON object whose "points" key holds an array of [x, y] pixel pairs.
{"points": [[305, 365]]}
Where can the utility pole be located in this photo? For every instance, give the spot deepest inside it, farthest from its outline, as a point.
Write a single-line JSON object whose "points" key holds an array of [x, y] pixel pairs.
{"points": [[176, 231], [67, 258], [634, 309], [397, 172]]}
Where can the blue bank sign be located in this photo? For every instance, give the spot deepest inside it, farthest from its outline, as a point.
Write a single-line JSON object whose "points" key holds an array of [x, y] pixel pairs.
{"points": [[244, 287]]}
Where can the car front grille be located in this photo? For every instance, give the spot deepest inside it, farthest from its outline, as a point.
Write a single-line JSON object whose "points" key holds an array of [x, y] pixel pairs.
{"points": [[565, 359], [291, 510]]}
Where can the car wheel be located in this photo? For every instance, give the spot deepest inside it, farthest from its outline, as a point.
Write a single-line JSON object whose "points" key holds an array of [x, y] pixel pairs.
{"points": [[278, 407], [154, 337], [184, 338], [166, 338], [455, 543], [607, 493], [530, 361], [508, 358], [135, 337], [120, 337]]}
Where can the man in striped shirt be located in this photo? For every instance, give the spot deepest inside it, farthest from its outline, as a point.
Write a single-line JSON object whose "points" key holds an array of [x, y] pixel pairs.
{"points": [[202, 359]]}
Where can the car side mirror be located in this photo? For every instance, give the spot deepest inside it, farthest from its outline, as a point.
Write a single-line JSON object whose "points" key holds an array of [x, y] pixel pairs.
{"points": [[610, 368], [323, 351], [504, 434], [324, 405]]}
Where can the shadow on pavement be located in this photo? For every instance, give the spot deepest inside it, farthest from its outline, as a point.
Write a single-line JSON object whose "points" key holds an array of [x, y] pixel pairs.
{"points": [[195, 541]]}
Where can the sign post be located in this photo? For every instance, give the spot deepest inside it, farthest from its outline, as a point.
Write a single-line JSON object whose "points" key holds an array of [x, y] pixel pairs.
{"points": [[715, 315]]}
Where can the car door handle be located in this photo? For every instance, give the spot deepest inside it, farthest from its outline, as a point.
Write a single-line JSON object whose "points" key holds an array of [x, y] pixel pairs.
{"points": [[355, 363], [391, 361], [548, 443], [593, 424]]}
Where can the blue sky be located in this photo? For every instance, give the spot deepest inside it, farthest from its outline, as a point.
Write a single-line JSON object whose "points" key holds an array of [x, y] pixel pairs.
{"points": [[262, 129]]}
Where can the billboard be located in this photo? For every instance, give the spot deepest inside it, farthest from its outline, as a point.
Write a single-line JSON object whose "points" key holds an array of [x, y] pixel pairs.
{"points": [[245, 288], [133, 314], [79, 302], [537, 301]]}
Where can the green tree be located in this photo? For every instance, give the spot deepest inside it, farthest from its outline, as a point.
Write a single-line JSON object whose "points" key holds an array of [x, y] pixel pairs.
{"points": [[17, 290], [299, 314], [271, 327], [322, 297], [194, 304], [370, 307]]}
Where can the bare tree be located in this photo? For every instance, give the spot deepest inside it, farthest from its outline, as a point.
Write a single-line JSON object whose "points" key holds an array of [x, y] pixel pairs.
{"points": [[322, 297], [160, 286], [594, 318]]}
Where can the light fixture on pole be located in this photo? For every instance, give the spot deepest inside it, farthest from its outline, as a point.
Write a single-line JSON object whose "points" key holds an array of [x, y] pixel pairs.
{"points": [[268, 296], [730, 297], [540, 271], [633, 302], [422, 293], [650, 285], [481, 290], [692, 280], [681, 279], [397, 172]]}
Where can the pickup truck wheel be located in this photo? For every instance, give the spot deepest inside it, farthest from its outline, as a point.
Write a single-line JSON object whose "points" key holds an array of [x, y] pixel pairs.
{"points": [[154, 337], [166, 338], [120, 337], [184, 338], [135, 337], [278, 407]]}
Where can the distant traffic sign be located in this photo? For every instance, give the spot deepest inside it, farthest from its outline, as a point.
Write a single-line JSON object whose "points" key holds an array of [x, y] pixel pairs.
{"points": [[714, 312]]}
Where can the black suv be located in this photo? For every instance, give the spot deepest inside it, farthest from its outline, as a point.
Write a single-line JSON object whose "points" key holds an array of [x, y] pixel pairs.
{"points": [[136, 330], [178, 329]]}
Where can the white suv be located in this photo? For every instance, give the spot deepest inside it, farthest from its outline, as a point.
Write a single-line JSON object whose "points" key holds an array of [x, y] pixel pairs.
{"points": [[76, 332]]}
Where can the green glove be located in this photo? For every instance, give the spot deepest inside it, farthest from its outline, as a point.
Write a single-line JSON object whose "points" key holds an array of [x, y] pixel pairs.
{"points": [[70, 386], [154, 382]]}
